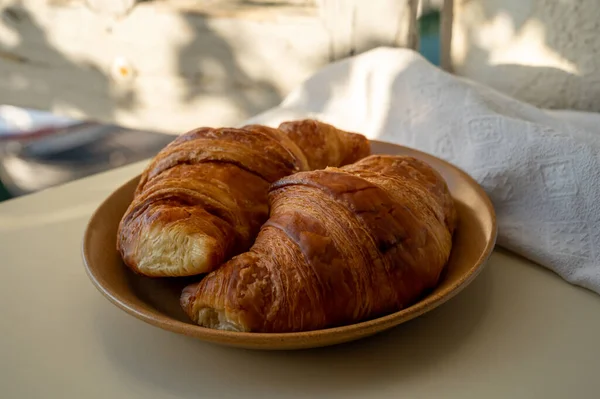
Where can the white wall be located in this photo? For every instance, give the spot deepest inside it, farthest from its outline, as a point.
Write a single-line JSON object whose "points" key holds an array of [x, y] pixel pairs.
{"points": [[546, 52]]}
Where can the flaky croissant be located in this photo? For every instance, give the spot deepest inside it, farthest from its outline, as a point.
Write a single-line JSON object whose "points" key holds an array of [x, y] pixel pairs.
{"points": [[203, 198], [341, 245]]}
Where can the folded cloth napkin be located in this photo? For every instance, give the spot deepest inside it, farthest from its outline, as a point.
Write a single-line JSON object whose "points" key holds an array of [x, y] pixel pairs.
{"points": [[540, 168]]}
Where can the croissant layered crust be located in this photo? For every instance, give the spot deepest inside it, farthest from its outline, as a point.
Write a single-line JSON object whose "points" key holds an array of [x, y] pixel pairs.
{"points": [[204, 197], [324, 145], [341, 245]]}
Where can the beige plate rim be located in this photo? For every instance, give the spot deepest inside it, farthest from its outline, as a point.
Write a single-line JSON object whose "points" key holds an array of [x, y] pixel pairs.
{"points": [[378, 324]]}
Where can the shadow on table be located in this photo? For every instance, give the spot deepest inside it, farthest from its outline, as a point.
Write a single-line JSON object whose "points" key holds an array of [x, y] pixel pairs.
{"points": [[188, 368]]}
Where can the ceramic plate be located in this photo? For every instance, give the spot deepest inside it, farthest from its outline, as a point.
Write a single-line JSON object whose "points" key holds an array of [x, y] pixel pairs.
{"points": [[156, 301]]}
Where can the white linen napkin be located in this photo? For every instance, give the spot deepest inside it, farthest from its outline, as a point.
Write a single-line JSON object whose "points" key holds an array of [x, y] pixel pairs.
{"points": [[540, 168]]}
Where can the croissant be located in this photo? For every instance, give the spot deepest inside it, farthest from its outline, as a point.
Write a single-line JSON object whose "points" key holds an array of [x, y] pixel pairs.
{"points": [[341, 245], [203, 198]]}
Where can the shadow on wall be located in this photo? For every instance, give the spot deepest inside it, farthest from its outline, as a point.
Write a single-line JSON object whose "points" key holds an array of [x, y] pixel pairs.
{"points": [[544, 52], [210, 70], [24, 43], [36, 72]]}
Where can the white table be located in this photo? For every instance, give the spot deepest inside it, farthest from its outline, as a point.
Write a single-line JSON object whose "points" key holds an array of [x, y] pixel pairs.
{"points": [[518, 331]]}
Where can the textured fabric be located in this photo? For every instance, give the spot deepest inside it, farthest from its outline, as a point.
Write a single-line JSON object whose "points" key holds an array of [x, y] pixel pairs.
{"points": [[540, 168]]}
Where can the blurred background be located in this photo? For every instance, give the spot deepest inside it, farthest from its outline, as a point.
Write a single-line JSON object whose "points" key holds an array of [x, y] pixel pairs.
{"points": [[40, 149], [90, 85]]}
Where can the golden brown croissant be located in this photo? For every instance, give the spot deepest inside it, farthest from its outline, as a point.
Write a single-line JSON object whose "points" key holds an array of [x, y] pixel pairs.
{"points": [[203, 198], [341, 245]]}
